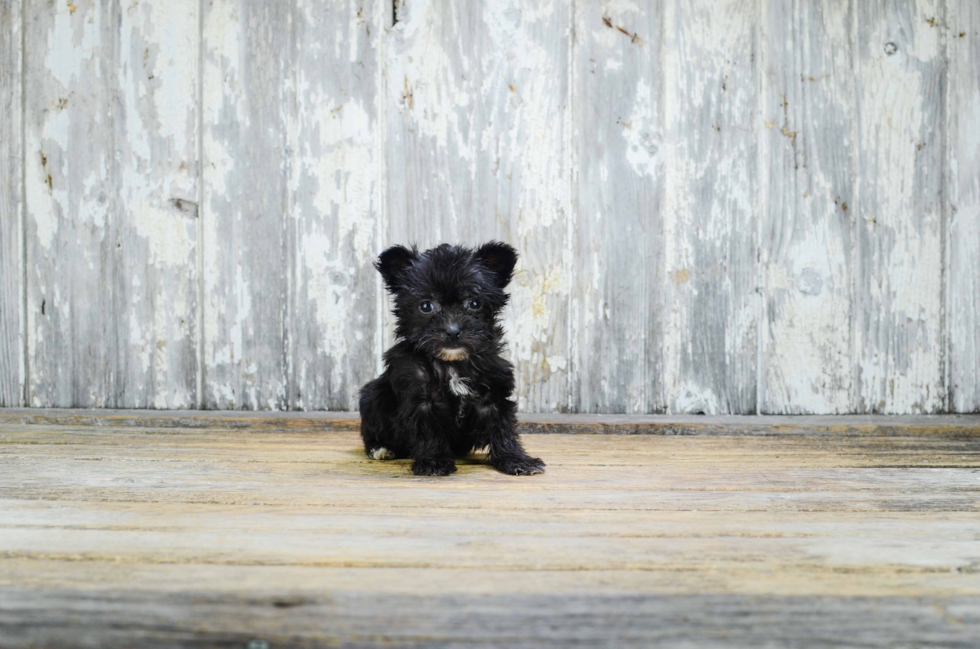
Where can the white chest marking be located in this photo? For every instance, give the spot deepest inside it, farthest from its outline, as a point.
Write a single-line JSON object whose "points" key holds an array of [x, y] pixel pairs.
{"points": [[458, 385]]}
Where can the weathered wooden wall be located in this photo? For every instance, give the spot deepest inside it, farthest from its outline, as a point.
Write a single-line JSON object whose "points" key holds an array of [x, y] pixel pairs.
{"points": [[737, 206]]}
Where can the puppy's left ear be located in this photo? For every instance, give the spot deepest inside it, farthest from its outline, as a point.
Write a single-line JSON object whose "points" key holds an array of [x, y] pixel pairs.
{"points": [[499, 258]]}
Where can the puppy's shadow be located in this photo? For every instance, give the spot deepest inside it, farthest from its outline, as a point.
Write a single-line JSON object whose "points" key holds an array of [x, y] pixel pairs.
{"points": [[478, 459]]}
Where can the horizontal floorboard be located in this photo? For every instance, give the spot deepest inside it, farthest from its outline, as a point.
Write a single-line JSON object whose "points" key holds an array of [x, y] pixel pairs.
{"points": [[806, 425], [549, 620]]}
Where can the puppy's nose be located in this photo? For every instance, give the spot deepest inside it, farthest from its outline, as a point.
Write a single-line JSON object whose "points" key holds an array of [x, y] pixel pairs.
{"points": [[452, 331]]}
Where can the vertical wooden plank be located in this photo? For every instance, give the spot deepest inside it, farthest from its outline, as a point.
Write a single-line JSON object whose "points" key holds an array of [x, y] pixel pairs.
{"points": [[618, 261], [291, 203], [246, 193], [72, 199], [963, 187], [334, 189], [477, 103], [710, 225], [155, 271], [11, 207], [805, 245], [899, 243], [111, 162]]}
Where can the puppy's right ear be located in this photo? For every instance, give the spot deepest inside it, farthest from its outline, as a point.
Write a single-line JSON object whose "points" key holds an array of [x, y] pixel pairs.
{"points": [[392, 264]]}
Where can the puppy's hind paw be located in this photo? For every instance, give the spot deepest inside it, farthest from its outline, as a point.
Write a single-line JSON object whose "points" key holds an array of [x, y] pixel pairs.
{"points": [[381, 453], [429, 466], [520, 465]]}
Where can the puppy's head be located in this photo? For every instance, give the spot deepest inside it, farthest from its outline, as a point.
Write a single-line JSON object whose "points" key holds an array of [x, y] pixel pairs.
{"points": [[447, 299]]}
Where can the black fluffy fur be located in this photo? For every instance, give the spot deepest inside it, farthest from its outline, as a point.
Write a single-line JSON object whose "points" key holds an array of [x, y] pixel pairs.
{"points": [[411, 410]]}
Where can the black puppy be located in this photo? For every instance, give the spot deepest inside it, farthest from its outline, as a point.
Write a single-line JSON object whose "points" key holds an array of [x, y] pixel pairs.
{"points": [[445, 390]]}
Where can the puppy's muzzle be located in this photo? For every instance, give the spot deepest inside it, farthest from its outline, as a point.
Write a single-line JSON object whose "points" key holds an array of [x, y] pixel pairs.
{"points": [[452, 353]]}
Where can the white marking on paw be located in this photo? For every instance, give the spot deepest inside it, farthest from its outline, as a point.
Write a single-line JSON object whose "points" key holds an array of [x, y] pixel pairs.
{"points": [[381, 453], [458, 385]]}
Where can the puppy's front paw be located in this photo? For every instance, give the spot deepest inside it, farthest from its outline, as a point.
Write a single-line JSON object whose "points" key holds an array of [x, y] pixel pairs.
{"points": [[433, 466], [519, 465]]}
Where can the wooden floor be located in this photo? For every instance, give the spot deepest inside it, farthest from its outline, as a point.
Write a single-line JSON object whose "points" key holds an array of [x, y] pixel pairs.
{"points": [[281, 535]]}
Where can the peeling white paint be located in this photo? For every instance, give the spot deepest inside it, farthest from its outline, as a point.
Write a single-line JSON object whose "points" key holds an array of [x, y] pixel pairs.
{"points": [[345, 170], [900, 260], [711, 323], [423, 79], [72, 40], [42, 201], [963, 183], [640, 132], [694, 399]]}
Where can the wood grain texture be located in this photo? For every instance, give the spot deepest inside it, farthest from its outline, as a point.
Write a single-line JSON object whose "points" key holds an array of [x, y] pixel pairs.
{"points": [[334, 211], [72, 329], [963, 209], [247, 47], [12, 369], [805, 247], [617, 322], [155, 285], [313, 619], [478, 123], [141, 535], [955, 426], [156, 149], [111, 154], [291, 207], [899, 87], [711, 80]]}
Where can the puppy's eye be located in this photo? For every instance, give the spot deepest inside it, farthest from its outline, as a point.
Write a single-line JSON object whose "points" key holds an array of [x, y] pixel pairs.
{"points": [[473, 305], [426, 306]]}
